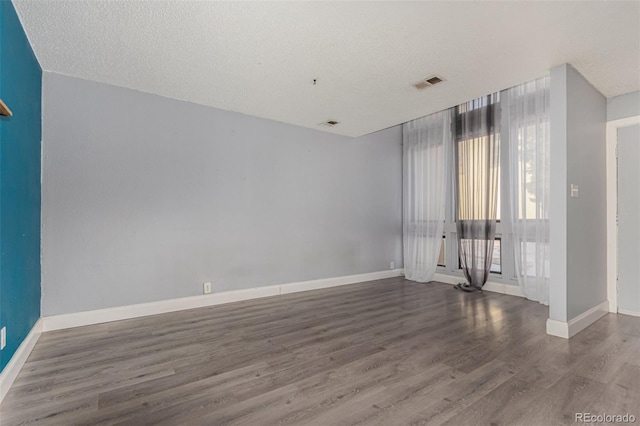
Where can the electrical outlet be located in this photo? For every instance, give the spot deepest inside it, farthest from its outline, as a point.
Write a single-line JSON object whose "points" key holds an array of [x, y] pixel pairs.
{"points": [[392, 265], [206, 288], [3, 337]]}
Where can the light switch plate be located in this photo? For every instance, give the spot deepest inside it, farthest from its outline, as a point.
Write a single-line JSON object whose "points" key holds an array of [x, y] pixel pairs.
{"points": [[3, 337], [575, 191]]}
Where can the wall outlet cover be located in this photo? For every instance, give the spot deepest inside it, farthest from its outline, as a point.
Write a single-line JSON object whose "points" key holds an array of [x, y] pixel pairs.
{"points": [[392, 265], [3, 337], [206, 288]]}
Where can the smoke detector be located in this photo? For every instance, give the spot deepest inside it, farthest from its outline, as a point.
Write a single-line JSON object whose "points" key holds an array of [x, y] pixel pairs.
{"points": [[428, 82]]}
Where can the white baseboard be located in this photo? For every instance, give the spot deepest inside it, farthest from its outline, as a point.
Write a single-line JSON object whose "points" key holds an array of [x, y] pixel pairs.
{"points": [[628, 312], [511, 290], [574, 326], [78, 319], [558, 328], [11, 370]]}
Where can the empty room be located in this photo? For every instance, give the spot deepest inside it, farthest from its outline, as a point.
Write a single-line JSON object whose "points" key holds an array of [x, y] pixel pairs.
{"points": [[319, 213]]}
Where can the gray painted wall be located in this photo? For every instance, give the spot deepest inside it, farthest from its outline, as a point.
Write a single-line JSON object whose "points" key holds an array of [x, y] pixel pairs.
{"points": [[558, 194], [628, 214], [586, 215], [623, 106], [582, 138], [145, 198]]}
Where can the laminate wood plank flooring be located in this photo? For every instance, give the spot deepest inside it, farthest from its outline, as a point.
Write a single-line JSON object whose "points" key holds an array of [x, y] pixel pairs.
{"points": [[387, 352]]}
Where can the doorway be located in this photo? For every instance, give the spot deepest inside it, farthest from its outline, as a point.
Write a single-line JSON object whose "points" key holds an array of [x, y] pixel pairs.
{"points": [[623, 215]]}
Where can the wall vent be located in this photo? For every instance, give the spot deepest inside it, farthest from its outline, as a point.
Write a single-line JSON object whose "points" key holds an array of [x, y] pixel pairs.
{"points": [[428, 82]]}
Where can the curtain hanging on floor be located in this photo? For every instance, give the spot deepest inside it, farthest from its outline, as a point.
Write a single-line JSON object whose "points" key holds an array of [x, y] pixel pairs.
{"points": [[477, 172], [529, 145], [425, 143]]}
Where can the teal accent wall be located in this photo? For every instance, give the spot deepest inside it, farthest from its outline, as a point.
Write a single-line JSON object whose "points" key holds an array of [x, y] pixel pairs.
{"points": [[20, 139]]}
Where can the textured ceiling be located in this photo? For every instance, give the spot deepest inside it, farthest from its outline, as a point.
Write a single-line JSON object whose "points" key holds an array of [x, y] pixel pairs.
{"points": [[261, 58]]}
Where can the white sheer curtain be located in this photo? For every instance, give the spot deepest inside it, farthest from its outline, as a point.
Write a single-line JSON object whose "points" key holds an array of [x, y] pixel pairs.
{"points": [[425, 142], [529, 144]]}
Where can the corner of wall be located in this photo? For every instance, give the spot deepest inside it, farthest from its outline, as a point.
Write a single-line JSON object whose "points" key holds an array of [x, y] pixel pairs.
{"points": [[578, 251], [558, 209], [568, 329]]}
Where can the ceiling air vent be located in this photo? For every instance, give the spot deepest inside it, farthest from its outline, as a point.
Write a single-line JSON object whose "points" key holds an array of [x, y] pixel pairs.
{"points": [[329, 123], [428, 82]]}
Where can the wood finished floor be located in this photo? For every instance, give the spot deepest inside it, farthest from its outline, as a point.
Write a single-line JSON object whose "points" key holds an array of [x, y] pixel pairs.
{"points": [[385, 352]]}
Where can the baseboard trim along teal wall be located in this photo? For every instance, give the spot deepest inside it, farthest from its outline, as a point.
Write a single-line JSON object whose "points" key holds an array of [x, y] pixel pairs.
{"points": [[20, 188], [13, 368]]}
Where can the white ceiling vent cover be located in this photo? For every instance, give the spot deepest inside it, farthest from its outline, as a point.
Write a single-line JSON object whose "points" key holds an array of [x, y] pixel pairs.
{"points": [[428, 82]]}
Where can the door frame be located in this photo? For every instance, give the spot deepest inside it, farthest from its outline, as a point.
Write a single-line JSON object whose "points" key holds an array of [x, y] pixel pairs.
{"points": [[612, 206]]}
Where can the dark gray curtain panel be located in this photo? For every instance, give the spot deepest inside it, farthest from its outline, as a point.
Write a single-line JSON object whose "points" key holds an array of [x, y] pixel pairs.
{"points": [[477, 180]]}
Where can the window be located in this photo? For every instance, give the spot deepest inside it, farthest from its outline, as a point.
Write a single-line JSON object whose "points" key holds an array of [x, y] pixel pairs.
{"points": [[502, 260], [496, 254], [473, 121], [528, 207], [496, 257], [468, 185], [530, 254]]}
